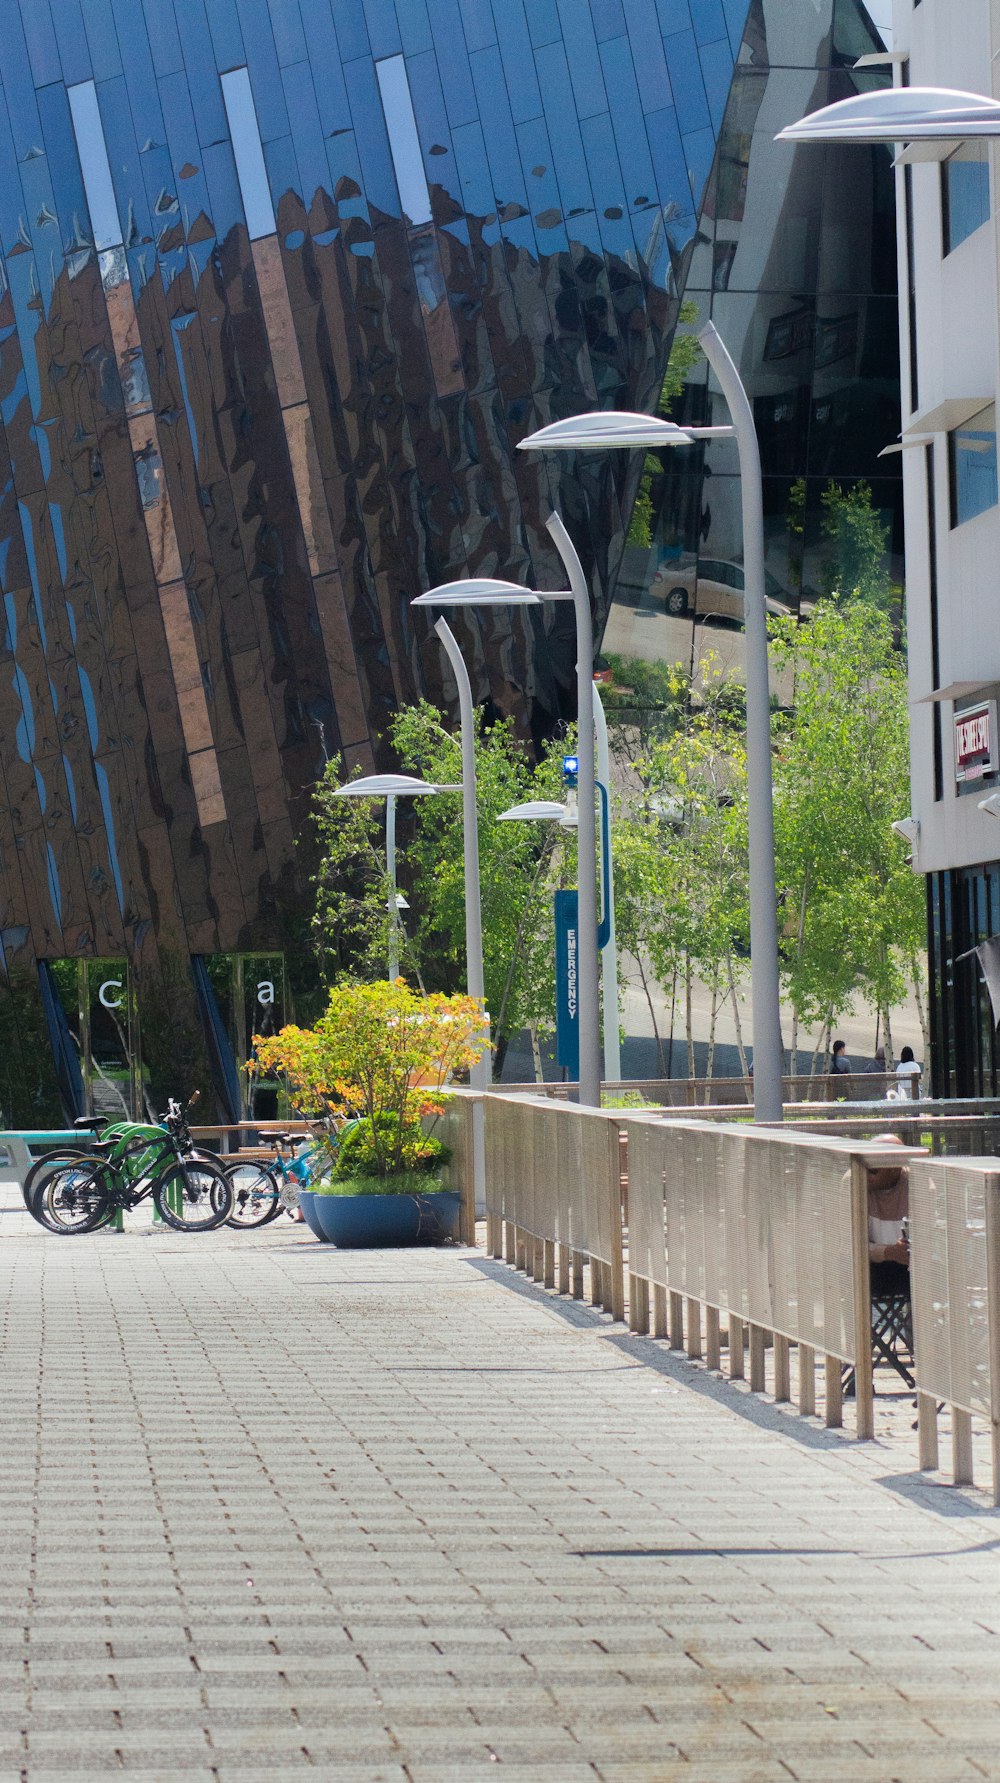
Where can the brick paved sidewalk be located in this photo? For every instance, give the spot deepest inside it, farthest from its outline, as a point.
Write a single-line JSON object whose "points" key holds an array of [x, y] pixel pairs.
{"points": [[269, 1508]]}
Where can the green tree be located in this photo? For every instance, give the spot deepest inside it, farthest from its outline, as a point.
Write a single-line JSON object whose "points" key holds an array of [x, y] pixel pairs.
{"points": [[350, 926], [853, 911], [520, 865], [697, 786], [857, 567]]}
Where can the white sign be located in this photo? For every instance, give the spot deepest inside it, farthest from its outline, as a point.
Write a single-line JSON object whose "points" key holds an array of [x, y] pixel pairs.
{"points": [[976, 741]]}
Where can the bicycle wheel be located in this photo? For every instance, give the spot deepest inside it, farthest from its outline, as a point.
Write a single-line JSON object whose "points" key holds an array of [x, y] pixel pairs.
{"points": [[256, 1195], [72, 1197], [66, 1154], [193, 1195]]}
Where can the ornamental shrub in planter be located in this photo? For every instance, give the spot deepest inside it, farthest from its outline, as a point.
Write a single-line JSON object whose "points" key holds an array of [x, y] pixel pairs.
{"points": [[381, 1055]]}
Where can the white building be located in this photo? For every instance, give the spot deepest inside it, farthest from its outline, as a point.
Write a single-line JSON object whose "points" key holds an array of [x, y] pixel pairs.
{"points": [[948, 199]]}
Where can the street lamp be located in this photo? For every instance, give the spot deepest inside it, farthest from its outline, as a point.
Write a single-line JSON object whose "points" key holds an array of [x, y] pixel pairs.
{"points": [[605, 429], [487, 592], [390, 787], [608, 429], [768, 1099], [481, 1073]]}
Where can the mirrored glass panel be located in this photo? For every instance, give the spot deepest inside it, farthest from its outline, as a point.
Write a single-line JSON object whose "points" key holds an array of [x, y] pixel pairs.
{"points": [[97, 181], [247, 148], [404, 141]]}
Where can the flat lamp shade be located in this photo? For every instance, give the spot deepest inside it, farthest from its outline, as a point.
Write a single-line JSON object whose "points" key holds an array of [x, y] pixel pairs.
{"points": [[604, 430], [542, 809], [900, 114], [481, 591], [383, 786]]}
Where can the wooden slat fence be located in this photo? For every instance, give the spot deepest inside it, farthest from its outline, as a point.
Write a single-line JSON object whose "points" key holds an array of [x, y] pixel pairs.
{"points": [[553, 1195], [955, 1270]]}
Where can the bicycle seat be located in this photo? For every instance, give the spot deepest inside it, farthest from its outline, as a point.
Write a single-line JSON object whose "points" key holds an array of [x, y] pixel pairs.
{"points": [[90, 1123]]}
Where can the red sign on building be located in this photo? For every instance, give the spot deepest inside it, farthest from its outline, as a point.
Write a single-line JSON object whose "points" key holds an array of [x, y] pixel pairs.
{"points": [[976, 741]]}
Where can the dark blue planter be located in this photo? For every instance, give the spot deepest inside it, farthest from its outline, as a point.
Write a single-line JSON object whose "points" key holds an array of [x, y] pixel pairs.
{"points": [[306, 1199], [366, 1222]]}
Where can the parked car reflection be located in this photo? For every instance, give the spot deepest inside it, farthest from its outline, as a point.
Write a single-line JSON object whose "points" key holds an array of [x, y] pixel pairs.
{"points": [[712, 589]]}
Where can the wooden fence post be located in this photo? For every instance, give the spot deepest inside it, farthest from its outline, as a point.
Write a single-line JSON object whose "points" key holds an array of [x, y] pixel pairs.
{"points": [[864, 1380]]}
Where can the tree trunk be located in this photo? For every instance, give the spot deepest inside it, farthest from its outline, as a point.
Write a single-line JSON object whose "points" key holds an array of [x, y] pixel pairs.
{"points": [[918, 991], [689, 1016], [710, 1055], [800, 944], [652, 1015], [890, 1063], [536, 1056], [822, 1047], [738, 1019]]}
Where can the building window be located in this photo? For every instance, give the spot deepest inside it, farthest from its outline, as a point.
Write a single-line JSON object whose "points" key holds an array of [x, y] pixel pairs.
{"points": [[404, 142], [965, 193], [972, 464], [251, 170]]}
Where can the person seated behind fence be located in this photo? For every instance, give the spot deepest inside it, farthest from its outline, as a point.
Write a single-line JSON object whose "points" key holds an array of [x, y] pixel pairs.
{"points": [[907, 1069], [888, 1209], [840, 1064]]}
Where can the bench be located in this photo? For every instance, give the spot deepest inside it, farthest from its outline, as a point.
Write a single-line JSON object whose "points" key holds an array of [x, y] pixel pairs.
{"points": [[21, 1148]]}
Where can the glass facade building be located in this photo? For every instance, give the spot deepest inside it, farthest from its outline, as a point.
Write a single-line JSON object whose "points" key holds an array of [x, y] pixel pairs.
{"points": [[794, 261], [282, 285]]}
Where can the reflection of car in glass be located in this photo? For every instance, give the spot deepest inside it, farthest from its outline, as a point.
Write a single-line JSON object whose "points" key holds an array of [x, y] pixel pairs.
{"points": [[713, 589]]}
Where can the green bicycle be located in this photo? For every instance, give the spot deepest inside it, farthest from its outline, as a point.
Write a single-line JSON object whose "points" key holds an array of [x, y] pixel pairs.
{"points": [[190, 1189]]}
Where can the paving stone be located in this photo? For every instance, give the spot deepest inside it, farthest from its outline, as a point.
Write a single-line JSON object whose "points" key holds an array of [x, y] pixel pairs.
{"points": [[272, 1509]]}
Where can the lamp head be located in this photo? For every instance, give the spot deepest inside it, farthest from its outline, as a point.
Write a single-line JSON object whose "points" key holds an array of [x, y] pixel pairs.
{"points": [[900, 114], [603, 430], [908, 828], [482, 591], [535, 810], [384, 786], [991, 805]]}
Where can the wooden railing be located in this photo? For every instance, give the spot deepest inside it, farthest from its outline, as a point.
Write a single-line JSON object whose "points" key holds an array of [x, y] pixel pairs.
{"points": [[553, 1195], [955, 1269], [728, 1092], [767, 1231]]}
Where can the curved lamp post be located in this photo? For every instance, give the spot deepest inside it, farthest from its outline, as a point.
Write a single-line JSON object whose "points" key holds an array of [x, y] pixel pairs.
{"points": [[612, 429], [390, 787], [768, 1056], [487, 592], [481, 1073], [606, 430]]}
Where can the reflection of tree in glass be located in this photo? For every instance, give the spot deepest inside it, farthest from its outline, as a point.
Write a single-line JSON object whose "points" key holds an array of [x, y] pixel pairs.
{"points": [[685, 354], [857, 566]]}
